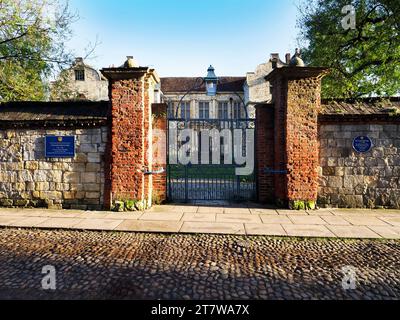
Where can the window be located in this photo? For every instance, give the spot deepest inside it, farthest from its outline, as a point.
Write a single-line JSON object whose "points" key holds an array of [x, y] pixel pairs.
{"points": [[237, 110], [171, 110], [211, 89], [223, 110], [185, 110], [204, 110], [80, 75]]}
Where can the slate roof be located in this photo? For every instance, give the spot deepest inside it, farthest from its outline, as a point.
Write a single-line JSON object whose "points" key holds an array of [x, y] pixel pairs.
{"points": [[53, 113], [182, 84]]}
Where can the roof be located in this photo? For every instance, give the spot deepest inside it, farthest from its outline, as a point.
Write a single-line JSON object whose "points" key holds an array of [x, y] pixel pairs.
{"points": [[66, 113], [366, 106], [361, 109], [368, 109], [182, 84]]}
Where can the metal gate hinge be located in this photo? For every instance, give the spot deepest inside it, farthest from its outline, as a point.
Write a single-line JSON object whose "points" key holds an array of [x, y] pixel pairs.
{"points": [[159, 171]]}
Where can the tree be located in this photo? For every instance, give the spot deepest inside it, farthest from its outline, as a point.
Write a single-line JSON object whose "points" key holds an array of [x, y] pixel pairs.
{"points": [[364, 58], [33, 34]]}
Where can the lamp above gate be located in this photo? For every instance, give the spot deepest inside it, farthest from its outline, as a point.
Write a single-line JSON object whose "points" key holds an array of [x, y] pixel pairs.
{"points": [[211, 82]]}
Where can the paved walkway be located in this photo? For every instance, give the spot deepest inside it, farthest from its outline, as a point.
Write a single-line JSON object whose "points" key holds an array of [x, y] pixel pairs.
{"points": [[237, 220]]}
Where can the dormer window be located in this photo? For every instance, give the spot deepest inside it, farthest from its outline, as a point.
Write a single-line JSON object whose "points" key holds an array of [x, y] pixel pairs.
{"points": [[79, 75]]}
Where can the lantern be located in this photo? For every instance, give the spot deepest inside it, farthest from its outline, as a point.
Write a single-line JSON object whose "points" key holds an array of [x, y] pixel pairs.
{"points": [[211, 82]]}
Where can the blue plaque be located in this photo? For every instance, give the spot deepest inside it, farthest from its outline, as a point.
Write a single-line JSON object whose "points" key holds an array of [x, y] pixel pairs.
{"points": [[60, 147], [362, 144]]}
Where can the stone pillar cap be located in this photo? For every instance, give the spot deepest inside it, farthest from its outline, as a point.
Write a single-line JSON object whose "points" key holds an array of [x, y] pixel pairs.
{"points": [[129, 73], [296, 60], [293, 72]]}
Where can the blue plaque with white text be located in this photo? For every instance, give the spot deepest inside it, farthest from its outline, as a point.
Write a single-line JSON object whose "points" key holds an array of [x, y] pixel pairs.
{"points": [[60, 147], [362, 144]]}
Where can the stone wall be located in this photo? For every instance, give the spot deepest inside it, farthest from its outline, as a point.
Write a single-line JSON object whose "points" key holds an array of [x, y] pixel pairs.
{"points": [[351, 179], [256, 89], [27, 178]]}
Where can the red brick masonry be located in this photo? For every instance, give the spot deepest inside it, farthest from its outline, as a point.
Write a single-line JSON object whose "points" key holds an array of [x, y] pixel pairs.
{"points": [[130, 134], [296, 103], [159, 112], [265, 153]]}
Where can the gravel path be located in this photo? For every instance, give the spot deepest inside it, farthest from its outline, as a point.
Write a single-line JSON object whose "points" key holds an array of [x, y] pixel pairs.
{"points": [[152, 266]]}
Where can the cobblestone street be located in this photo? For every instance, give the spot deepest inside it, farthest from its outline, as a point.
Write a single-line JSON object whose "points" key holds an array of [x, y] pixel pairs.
{"points": [[151, 266]]}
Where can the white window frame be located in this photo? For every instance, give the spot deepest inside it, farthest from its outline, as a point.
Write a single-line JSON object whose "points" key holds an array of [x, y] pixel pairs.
{"points": [[185, 110], [237, 110], [223, 110], [204, 108]]}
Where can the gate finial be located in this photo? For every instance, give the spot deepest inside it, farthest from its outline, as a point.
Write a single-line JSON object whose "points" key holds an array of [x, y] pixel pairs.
{"points": [[296, 60]]}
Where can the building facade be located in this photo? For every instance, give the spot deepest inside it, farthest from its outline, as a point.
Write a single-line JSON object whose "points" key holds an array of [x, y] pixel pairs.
{"points": [[80, 82], [256, 88], [189, 98], [234, 97]]}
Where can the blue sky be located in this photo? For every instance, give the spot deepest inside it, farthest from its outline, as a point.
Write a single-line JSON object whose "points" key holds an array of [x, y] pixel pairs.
{"points": [[183, 37]]}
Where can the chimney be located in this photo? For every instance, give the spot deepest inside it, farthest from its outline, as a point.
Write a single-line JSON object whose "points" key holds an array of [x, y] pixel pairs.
{"points": [[287, 58], [78, 60]]}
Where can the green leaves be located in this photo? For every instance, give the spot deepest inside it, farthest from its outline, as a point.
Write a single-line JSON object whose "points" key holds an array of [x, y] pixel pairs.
{"points": [[32, 46], [18, 83], [364, 61]]}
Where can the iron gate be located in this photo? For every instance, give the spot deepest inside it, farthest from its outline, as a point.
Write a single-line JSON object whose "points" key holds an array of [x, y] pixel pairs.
{"points": [[225, 144]]}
